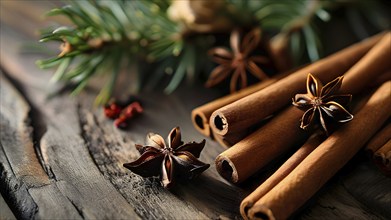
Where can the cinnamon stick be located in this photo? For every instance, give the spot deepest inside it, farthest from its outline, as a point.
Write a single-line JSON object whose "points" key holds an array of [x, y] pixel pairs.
{"points": [[255, 151], [200, 116], [320, 165], [379, 140], [280, 173], [251, 109], [314, 141]]}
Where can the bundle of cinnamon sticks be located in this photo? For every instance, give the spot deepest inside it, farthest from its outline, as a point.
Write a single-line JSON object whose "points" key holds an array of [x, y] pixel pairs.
{"points": [[238, 121]]}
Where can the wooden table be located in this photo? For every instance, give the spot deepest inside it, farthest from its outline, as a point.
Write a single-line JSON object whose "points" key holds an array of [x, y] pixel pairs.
{"points": [[61, 158]]}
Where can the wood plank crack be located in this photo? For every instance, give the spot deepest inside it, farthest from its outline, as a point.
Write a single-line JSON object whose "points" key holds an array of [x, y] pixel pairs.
{"points": [[62, 148], [16, 136], [15, 192], [25, 181], [33, 121]]}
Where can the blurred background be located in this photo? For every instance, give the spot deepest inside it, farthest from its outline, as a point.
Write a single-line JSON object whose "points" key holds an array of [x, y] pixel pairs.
{"points": [[163, 44]]}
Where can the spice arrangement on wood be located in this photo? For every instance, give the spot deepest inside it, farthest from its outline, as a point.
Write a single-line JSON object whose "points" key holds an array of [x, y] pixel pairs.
{"points": [[246, 111], [256, 150], [321, 164], [307, 142], [356, 69]]}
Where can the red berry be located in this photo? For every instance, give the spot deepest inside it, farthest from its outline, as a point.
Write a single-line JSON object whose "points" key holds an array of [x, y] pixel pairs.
{"points": [[112, 110], [128, 113]]}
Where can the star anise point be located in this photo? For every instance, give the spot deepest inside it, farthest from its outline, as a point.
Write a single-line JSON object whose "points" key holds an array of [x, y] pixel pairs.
{"points": [[238, 61], [321, 100]]}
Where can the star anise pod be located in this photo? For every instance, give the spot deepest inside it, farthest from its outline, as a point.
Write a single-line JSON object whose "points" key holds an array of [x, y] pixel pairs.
{"points": [[168, 161], [238, 61], [321, 103]]}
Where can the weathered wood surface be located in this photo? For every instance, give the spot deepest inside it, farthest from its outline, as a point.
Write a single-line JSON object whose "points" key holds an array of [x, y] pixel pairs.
{"points": [[6, 213], [61, 158]]}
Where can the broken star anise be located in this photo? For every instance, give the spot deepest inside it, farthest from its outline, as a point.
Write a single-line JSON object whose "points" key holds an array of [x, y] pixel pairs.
{"points": [[168, 161], [321, 103], [239, 61]]}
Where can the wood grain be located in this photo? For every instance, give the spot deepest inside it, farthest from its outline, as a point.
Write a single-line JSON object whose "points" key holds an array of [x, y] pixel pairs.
{"points": [[21, 172]]}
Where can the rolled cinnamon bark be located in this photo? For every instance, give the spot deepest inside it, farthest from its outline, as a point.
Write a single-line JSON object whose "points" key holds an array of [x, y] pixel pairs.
{"points": [[200, 116], [382, 158], [252, 153], [251, 109], [231, 139], [255, 151], [315, 140], [379, 140], [280, 173], [320, 165]]}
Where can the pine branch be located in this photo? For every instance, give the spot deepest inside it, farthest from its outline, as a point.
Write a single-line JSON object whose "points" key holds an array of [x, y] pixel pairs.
{"points": [[95, 41], [104, 29]]}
